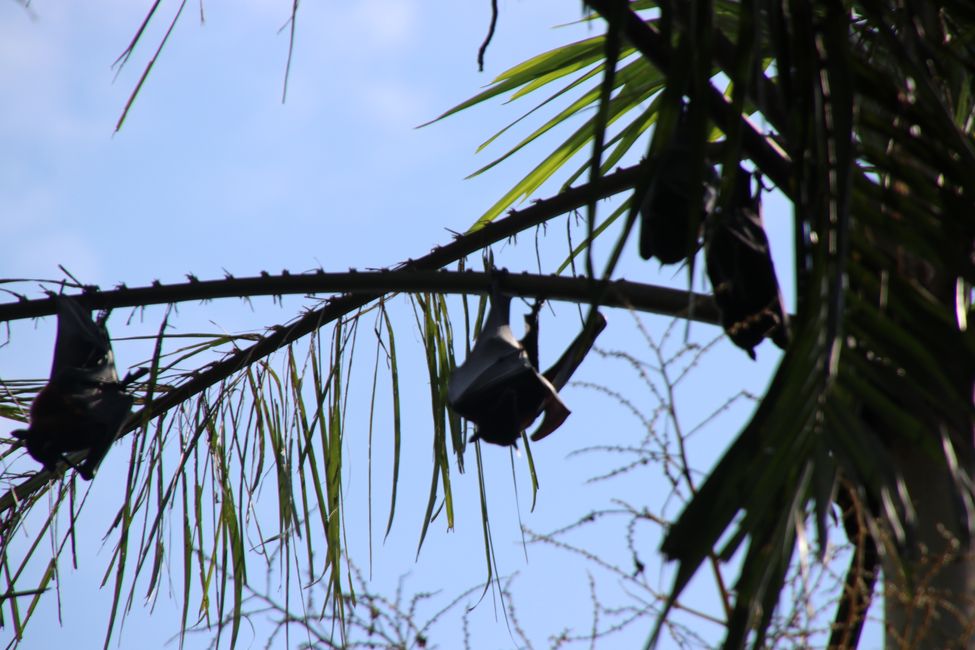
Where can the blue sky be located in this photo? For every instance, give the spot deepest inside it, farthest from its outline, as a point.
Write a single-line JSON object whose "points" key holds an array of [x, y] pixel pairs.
{"points": [[211, 172]]}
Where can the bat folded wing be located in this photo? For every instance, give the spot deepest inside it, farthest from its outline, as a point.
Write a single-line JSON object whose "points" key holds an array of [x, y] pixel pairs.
{"points": [[499, 390], [739, 264], [562, 370], [82, 343], [108, 414], [83, 407]]}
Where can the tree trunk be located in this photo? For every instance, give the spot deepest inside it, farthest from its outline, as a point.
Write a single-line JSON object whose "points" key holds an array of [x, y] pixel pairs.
{"points": [[929, 594], [929, 599]]}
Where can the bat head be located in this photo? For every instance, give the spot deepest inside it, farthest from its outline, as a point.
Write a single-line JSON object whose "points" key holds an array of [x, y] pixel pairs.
{"points": [[40, 447], [513, 408]]}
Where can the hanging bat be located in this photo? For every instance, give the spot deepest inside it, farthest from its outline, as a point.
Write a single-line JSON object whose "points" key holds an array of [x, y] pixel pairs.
{"points": [[741, 271], [84, 405], [499, 388], [665, 229]]}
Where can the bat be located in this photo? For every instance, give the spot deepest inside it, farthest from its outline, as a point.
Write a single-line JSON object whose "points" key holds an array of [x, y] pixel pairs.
{"points": [[84, 405], [499, 388], [741, 271], [665, 229]]}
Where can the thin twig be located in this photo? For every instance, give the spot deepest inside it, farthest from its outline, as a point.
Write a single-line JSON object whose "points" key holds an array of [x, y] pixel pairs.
{"points": [[487, 39]]}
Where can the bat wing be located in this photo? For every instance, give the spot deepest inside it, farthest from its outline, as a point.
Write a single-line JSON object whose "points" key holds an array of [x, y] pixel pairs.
{"points": [[492, 363], [497, 357], [665, 208], [562, 370], [107, 415], [497, 387], [510, 408], [82, 343], [739, 265], [665, 230], [529, 340]]}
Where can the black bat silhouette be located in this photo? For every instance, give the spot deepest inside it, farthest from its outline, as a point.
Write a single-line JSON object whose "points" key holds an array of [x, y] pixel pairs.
{"points": [[84, 405], [741, 271], [665, 229], [499, 388]]}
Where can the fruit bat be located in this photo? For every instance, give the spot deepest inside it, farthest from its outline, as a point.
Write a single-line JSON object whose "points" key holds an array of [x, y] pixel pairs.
{"points": [[665, 230], [84, 405], [499, 388], [741, 271]]}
